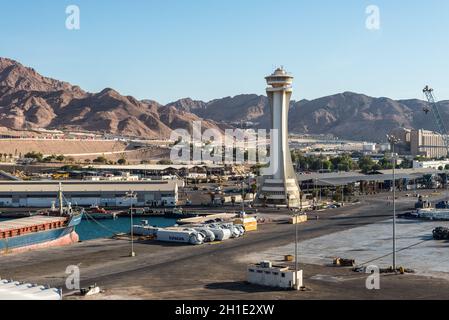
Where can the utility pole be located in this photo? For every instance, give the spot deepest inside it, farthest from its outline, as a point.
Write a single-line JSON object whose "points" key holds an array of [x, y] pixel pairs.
{"points": [[131, 195], [342, 195], [393, 141], [296, 239], [243, 197], [296, 251]]}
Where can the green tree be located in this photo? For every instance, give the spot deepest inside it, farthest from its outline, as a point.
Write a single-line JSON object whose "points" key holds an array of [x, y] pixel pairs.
{"points": [[386, 164], [48, 159], [100, 159], [121, 161], [366, 164], [34, 155], [406, 164], [327, 165], [164, 162], [343, 163]]}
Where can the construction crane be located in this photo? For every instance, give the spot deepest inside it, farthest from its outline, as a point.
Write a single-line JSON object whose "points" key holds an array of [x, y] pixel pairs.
{"points": [[437, 116]]}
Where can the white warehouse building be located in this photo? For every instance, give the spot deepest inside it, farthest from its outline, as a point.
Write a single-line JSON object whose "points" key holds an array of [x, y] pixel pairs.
{"points": [[41, 194], [430, 164]]}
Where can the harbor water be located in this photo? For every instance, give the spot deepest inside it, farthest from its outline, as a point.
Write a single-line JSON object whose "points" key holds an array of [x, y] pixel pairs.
{"points": [[106, 228]]}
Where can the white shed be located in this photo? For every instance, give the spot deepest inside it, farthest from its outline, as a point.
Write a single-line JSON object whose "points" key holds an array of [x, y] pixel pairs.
{"points": [[265, 274]]}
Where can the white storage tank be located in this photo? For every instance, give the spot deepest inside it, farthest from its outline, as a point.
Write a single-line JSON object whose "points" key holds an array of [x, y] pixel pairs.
{"points": [[185, 235], [220, 233], [209, 236], [145, 229]]}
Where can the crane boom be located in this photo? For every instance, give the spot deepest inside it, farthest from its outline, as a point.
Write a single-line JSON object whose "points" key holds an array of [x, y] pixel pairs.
{"points": [[437, 115]]}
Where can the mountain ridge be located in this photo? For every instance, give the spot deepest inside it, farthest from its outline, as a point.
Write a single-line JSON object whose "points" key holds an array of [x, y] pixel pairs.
{"points": [[30, 100]]}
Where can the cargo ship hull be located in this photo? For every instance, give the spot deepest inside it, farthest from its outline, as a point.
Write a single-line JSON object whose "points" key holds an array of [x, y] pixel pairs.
{"points": [[38, 232], [40, 240]]}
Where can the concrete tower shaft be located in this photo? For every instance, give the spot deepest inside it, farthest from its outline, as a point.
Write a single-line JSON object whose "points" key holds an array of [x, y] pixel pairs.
{"points": [[280, 189]]}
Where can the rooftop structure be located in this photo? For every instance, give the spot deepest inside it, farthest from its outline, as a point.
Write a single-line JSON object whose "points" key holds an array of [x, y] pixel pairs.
{"points": [[345, 178], [14, 290], [41, 194]]}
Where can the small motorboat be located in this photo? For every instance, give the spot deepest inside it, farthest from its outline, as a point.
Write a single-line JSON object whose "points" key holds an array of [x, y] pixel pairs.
{"points": [[97, 212]]}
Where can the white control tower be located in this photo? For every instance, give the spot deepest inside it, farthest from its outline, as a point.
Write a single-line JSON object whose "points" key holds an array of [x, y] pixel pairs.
{"points": [[280, 189]]}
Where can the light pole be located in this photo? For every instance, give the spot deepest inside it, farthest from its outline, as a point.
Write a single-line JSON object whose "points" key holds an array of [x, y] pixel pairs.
{"points": [[296, 251], [131, 195], [342, 195], [296, 239], [393, 141], [243, 197]]}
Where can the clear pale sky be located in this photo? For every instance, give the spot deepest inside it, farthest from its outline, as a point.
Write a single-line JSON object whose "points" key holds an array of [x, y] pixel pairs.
{"points": [[206, 49]]}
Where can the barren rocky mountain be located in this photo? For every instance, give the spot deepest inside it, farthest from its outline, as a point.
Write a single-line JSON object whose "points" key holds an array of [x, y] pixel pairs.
{"points": [[347, 115], [360, 117], [29, 100]]}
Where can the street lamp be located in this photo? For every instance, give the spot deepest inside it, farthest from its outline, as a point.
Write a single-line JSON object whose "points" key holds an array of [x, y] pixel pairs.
{"points": [[295, 217], [243, 197], [131, 195], [342, 194], [393, 141]]}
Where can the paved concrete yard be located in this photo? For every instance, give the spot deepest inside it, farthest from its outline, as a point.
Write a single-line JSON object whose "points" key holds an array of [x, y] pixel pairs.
{"points": [[417, 249]]}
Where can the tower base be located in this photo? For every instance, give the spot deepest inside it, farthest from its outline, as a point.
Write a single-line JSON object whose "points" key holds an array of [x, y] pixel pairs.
{"points": [[279, 193]]}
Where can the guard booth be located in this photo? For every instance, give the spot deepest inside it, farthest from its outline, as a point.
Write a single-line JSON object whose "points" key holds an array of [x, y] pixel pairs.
{"points": [[265, 274]]}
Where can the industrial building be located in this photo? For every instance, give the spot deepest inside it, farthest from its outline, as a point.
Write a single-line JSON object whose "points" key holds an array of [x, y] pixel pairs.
{"points": [[431, 164], [427, 143], [161, 170], [420, 142], [41, 194], [382, 180]]}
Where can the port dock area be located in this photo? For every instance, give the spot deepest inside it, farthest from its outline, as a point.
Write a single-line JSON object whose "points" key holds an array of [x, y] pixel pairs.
{"points": [[218, 271]]}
